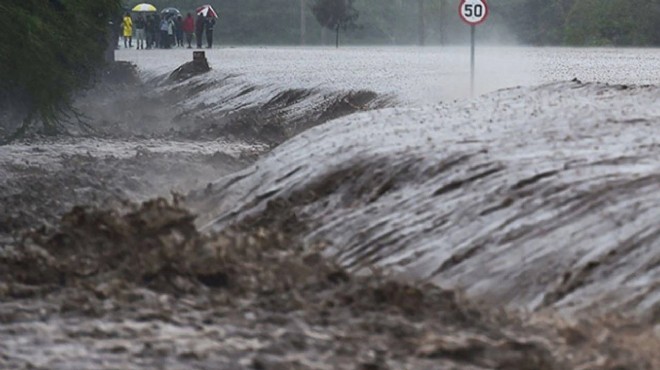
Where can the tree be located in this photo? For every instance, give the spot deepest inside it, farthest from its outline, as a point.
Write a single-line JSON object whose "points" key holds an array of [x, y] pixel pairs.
{"points": [[381, 18], [48, 51], [336, 15], [302, 22], [421, 24], [399, 22], [536, 21], [617, 22]]}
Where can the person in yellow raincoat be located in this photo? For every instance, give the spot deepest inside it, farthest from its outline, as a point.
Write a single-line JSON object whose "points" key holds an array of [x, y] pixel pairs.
{"points": [[127, 24]]}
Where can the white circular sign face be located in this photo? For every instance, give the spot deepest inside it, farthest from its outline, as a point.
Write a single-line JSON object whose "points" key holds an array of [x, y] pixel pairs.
{"points": [[473, 12]]}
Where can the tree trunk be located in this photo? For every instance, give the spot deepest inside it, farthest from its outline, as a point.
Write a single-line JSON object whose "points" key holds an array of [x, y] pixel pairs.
{"points": [[421, 23], [444, 20], [111, 44], [303, 27], [337, 42]]}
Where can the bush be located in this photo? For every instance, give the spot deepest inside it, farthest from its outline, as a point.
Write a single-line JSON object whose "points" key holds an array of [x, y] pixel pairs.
{"points": [[49, 49]]}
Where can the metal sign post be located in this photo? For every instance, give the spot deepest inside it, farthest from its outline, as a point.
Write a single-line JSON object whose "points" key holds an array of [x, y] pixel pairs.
{"points": [[473, 31], [473, 12]]}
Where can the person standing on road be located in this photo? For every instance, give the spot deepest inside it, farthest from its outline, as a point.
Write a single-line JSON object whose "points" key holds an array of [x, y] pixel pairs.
{"points": [[127, 23], [178, 30], [170, 32], [150, 31], [189, 29], [164, 37], [199, 30], [209, 24], [157, 20], [140, 34]]}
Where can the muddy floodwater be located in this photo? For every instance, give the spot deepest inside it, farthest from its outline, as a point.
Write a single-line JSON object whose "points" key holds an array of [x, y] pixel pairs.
{"points": [[313, 208]]}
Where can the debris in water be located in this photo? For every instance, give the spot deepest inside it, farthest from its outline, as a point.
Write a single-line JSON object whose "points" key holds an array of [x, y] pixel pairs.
{"points": [[139, 286]]}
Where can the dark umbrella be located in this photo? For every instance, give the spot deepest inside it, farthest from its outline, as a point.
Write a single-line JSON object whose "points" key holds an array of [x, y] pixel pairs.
{"points": [[171, 12]]}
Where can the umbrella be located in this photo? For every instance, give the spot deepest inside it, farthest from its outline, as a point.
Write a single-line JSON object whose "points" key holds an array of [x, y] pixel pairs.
{"points": [[207, 10], [144, 7], [171, 11]]}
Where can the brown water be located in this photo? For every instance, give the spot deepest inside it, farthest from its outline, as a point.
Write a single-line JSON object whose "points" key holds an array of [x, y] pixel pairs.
{"points": [[330, 251]]}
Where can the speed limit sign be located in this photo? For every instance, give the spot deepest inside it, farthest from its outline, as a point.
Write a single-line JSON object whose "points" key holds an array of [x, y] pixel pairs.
{"points": [[473, 12]]}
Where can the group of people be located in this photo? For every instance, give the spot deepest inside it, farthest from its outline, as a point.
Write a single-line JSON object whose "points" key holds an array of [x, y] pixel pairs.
{"points": [[166, 31]]}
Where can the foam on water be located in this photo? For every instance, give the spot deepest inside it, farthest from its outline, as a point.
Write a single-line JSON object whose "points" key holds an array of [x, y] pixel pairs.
{"points": [[532, 197], [414, 75], [537, 197]]}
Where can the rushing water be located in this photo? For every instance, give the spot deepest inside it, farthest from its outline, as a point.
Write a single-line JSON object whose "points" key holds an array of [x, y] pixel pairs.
{"points": [[542, 197], [536, 196]]}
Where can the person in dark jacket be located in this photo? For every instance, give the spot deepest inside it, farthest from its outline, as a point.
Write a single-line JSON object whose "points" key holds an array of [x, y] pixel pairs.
{"points": [[209, 24], [189, 29], [199, 30], [171, 34], [151, 31], [165, 42], [157, 20], [140, 31], [178, 30]]}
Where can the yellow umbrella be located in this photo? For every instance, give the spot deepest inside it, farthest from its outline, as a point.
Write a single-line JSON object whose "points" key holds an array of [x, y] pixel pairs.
{"points": [[144, 7]]}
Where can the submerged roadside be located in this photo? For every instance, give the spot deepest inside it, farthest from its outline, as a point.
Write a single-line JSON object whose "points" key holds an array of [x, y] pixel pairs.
{"points": [[91, 278], [137, 137]]}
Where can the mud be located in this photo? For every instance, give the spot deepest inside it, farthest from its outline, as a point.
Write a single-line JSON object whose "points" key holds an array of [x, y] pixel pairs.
{"points": [[139, 287], [137, 139], [44, 180], [221, 222]]}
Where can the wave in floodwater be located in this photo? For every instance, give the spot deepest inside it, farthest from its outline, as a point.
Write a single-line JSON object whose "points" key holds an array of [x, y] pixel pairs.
{"points": [[537, 198], [534, 197], [147, 135], [542, 197], [215, 106]]}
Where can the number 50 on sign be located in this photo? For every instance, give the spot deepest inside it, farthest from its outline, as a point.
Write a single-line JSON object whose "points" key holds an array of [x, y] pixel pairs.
{"points": [[473, 12]]}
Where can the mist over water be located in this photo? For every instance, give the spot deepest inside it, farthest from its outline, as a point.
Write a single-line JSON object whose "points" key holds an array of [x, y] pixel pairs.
{"points": [[413, 75], [433, 119], [320, 207], [516, 197], [335, 194]]}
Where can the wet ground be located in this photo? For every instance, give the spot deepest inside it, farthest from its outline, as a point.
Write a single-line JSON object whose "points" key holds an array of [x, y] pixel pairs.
{"points": [[415, 76], [516, 230]]}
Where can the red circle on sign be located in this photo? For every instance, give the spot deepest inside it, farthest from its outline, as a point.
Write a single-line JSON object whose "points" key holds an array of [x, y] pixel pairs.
{"points": [[460, 12]]}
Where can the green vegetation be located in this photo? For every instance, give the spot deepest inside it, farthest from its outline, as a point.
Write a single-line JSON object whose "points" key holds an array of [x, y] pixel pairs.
{"points": [[51, 48], [536, 22], [48, 50], [335, 15], [584, 22]]}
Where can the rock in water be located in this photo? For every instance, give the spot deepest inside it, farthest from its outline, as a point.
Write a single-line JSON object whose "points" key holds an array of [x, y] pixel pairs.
{"points": [[199, 65]]}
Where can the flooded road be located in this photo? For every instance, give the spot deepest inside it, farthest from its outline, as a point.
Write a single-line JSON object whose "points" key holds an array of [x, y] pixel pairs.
{"points": [[414, 75], [350, 207], [536, 197]]}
